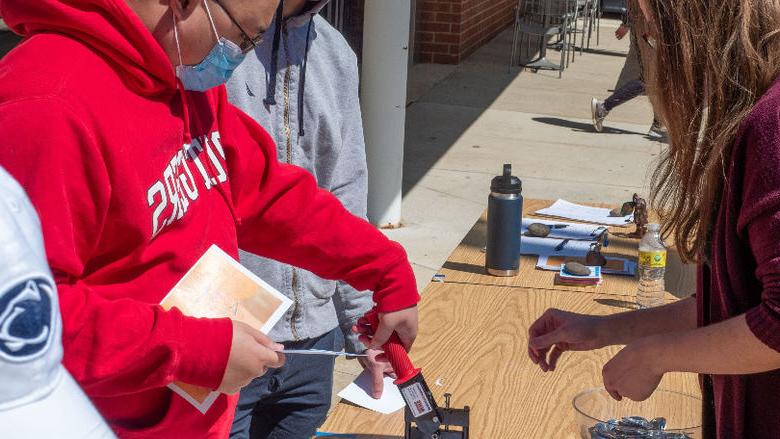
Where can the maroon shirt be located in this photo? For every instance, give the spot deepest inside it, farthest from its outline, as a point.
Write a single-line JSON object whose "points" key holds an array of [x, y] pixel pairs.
{"points": [[744, 274]]}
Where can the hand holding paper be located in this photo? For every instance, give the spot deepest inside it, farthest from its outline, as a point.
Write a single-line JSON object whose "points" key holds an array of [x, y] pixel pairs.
{"points": [[217, 286], [251, 354]]}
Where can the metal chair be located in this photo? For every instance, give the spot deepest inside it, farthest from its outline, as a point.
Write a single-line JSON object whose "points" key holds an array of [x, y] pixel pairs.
{"points": [[543, 19]]}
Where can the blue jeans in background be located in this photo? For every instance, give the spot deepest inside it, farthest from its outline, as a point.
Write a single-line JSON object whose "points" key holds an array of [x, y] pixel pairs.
{"points": [[290, 402]]}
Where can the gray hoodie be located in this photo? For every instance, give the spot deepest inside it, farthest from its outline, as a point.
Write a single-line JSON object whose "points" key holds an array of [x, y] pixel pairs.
{"points": [[316, 123]]}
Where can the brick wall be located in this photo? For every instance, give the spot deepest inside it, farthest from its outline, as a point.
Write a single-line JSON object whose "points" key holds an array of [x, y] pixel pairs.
{"points": [[447, 31]]}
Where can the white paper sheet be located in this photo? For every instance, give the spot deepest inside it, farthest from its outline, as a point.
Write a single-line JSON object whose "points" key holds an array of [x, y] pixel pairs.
{"points": [[359, 392], [585, 232], [218, 286], [547, 247], [597, 215]]}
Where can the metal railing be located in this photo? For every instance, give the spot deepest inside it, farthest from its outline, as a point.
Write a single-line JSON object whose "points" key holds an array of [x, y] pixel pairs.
{"points": [[334, 12]]}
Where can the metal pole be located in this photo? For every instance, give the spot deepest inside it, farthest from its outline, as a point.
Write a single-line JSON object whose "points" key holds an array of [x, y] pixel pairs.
{"points": [[383, 96]]}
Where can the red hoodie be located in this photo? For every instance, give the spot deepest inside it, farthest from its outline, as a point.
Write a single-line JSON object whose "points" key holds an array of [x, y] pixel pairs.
{"points": [[133, 181]]}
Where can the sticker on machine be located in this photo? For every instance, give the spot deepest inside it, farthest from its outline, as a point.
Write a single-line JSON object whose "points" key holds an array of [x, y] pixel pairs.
{"points": [[415, 398]]}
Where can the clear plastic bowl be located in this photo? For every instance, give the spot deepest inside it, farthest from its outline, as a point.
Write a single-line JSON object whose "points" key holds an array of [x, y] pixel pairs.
{"points": [[682, 411]]}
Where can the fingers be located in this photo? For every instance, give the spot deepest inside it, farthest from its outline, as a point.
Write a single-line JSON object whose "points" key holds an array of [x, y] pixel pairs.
{"points": [[407, 338], [381, 336], [555, 354], [262, 338], [266, 358], [278, 361], [545, 341], [265, 351], [378, 382], [614, 394], [361, 329], [609, 384], [366, 340]]}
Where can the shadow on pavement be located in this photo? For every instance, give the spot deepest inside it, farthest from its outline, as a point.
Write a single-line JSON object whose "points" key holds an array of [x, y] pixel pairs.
{"points": [[581, 126]]}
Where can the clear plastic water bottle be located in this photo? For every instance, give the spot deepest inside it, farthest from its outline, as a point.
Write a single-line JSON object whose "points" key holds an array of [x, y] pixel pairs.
{"points": [[652, 267]]}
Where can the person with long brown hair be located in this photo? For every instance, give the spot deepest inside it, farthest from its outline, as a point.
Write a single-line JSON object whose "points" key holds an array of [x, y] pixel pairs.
{"points": [[711, 69]]}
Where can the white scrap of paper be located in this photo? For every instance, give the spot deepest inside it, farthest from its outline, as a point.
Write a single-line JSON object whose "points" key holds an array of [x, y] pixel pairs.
{"points": [[598, 215], [359, 392]]}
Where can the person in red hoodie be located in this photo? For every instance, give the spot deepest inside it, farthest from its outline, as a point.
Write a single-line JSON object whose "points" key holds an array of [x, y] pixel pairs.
{"points": [[114, 119]]}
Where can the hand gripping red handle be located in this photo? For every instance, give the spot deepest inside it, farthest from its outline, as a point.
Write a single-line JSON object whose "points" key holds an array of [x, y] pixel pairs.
{"points": [[394, 350]]}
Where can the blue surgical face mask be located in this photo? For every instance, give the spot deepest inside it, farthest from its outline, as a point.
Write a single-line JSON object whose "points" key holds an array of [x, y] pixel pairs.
{"points": [[215, 69]]}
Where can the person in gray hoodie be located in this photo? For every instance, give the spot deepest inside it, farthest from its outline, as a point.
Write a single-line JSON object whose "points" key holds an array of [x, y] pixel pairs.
{"points": [[301, 85]]}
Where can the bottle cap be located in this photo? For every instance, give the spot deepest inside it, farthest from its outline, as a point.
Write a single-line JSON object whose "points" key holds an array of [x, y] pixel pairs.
{"points": [[507, 183], [654, 227]]}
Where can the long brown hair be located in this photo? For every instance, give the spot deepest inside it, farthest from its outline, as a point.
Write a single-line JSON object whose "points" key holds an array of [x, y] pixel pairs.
{"points": [[711, 62]]}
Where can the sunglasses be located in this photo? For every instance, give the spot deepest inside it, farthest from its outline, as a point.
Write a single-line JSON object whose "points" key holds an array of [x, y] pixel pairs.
{"points": [[248, 43]]}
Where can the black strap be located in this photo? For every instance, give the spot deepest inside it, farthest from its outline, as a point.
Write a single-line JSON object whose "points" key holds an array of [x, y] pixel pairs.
{"points": [[270, 92], [302, 88]]}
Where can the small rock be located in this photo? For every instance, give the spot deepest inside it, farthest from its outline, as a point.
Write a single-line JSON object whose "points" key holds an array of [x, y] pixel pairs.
{"points": [[576, 269], [595, 258], [626, 209], [538, 230]]}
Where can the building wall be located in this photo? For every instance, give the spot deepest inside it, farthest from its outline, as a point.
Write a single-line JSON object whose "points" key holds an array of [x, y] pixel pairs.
{"points": [[450, 30], [446, 31]]}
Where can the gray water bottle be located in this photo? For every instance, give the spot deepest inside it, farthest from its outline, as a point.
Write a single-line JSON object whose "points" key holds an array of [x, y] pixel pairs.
{"points": [[505, 212]]}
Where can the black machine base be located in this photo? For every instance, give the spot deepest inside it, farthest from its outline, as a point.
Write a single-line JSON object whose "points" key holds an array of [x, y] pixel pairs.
{"points": [[454, 423]]}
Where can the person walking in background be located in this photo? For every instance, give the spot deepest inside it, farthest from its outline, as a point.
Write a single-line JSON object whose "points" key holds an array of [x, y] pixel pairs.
{"points": [[718, 193], [629, 84], [301, 84]]}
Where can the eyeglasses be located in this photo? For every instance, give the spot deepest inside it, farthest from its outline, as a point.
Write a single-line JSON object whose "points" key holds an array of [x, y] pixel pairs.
{"points": [[247, 43]]}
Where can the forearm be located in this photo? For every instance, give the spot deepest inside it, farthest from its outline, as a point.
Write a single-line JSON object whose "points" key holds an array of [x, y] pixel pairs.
{"points": [[623, 328], [154, 347], [725, 348]]}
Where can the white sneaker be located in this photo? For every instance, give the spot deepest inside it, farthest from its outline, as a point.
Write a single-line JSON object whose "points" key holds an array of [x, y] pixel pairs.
{"points": [[599, 113], [657, 132]]}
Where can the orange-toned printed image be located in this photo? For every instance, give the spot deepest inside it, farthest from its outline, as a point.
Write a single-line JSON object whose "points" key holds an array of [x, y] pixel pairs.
{"points": [[218, 286]]}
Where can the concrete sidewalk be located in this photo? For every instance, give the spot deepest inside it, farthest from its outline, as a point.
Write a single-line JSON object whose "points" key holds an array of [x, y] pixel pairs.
{"points": [[480, 116], [464, 122]]}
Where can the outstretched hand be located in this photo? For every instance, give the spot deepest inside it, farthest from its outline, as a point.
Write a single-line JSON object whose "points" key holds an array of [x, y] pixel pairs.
{"points": [[621, 32], [556, 332]]}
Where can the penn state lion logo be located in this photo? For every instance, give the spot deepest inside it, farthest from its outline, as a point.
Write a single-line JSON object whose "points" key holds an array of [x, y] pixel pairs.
{"points": [[26, 319]]}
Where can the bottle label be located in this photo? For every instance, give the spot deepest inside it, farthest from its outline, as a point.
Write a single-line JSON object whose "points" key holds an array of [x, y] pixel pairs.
{"points": [[653, 259]]}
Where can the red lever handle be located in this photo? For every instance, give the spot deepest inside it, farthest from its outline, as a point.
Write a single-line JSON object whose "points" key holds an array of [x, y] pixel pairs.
{"points": [[394, 350]]}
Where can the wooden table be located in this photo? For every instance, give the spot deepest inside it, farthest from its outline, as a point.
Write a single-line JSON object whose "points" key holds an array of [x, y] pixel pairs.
{"points": [[467, 263], [473, 341]]}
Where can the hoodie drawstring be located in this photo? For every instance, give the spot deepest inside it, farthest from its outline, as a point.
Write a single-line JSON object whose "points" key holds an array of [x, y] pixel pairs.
{"points": [[270, 91], [302, 88]]}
